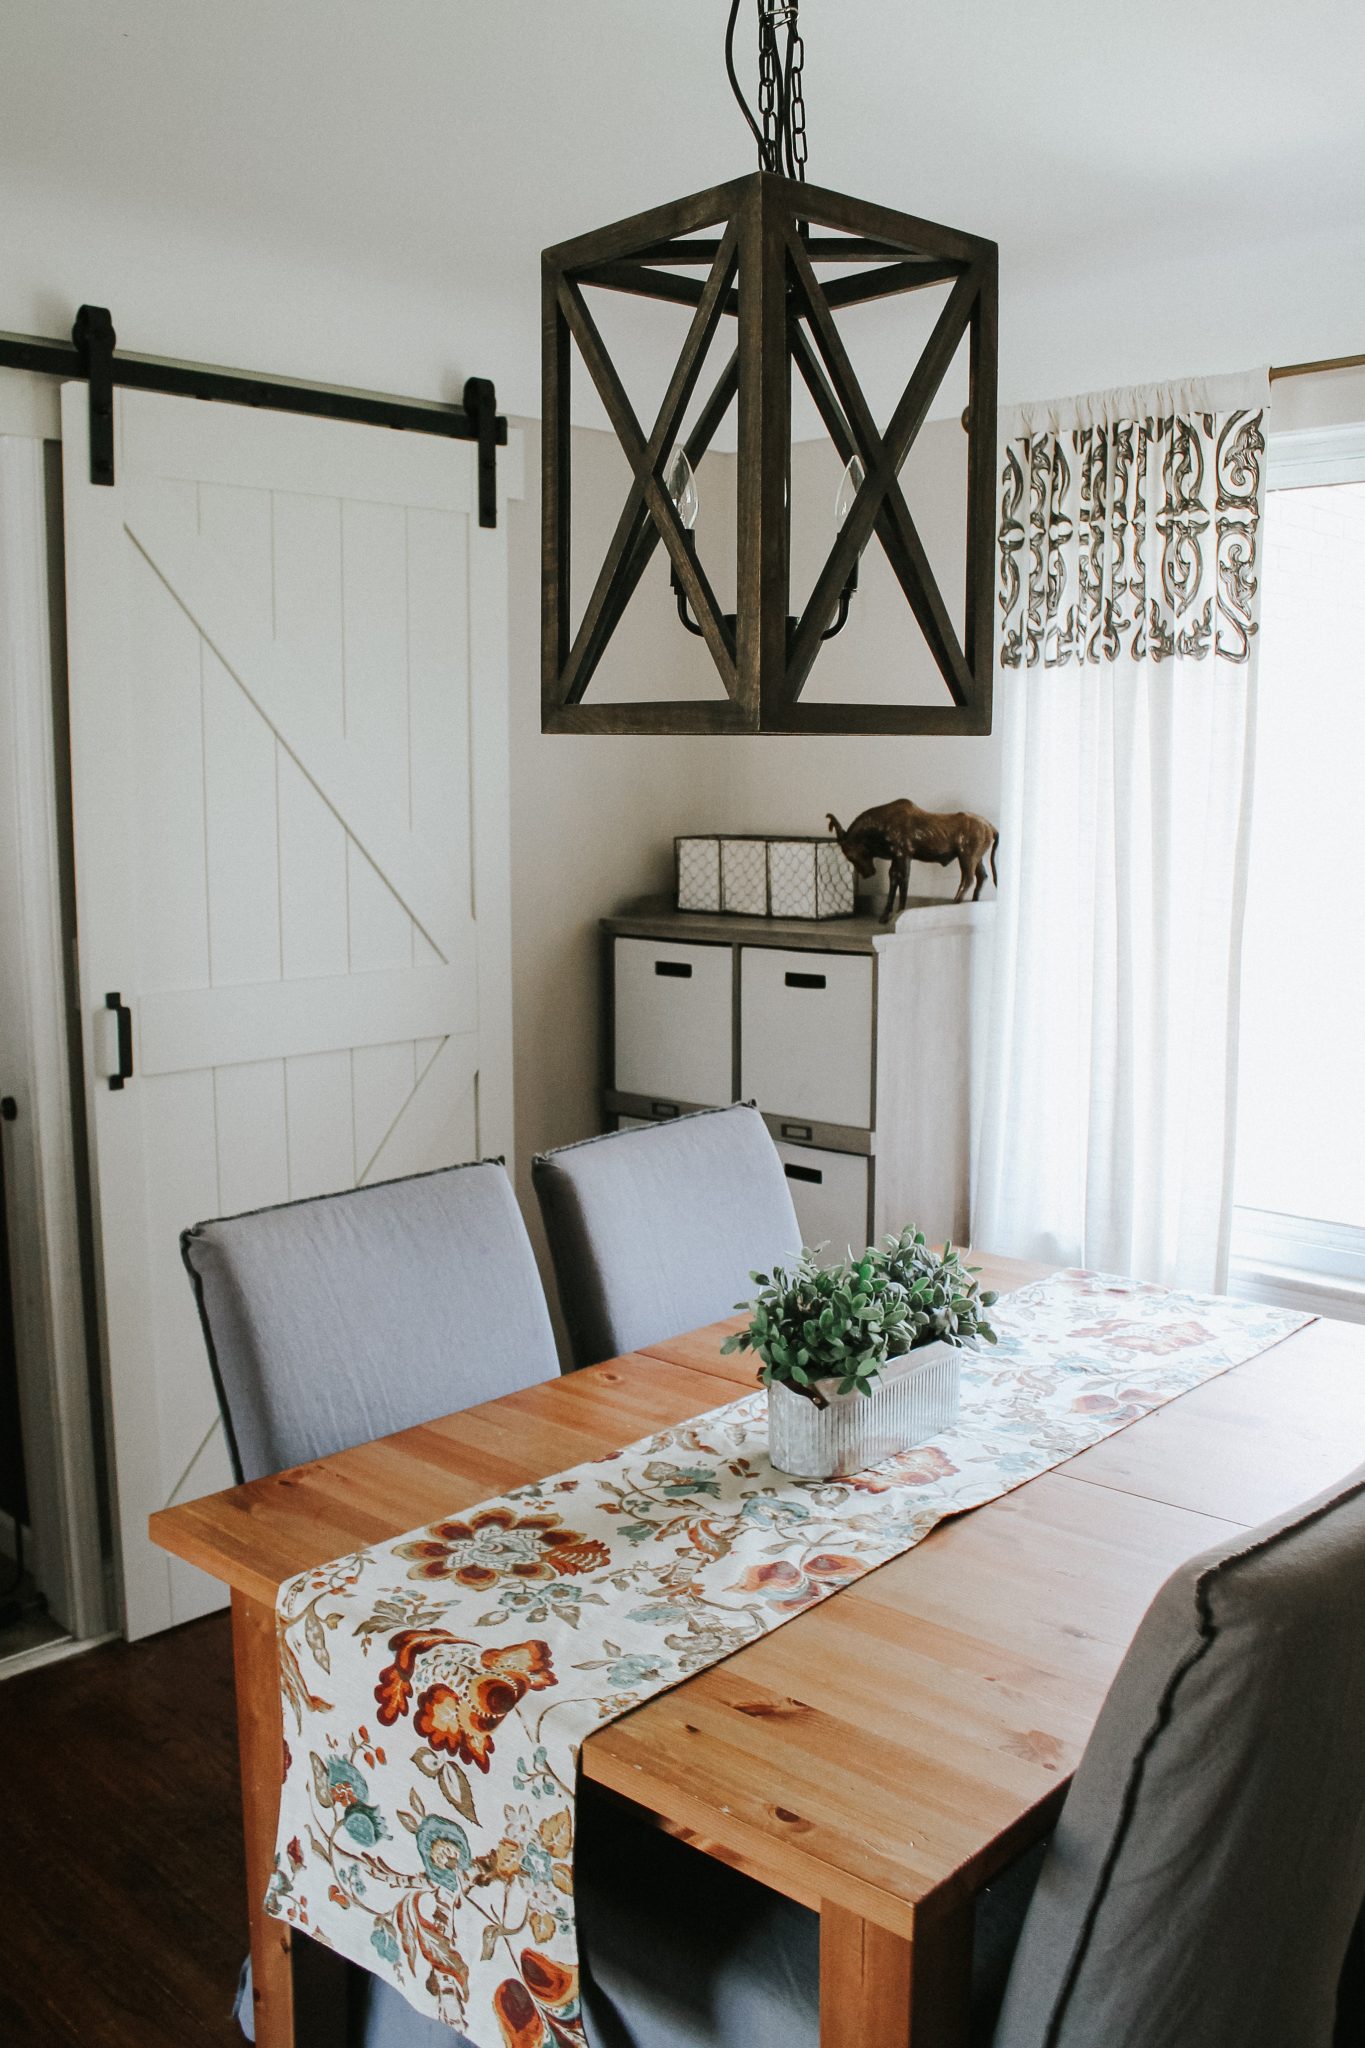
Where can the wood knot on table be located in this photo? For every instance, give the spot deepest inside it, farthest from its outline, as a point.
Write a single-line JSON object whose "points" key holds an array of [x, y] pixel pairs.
{"points": [[772, 1710]]}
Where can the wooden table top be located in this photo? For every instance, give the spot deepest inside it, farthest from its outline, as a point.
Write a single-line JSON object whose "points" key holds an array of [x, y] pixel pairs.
{"points": [[890, 1749]]}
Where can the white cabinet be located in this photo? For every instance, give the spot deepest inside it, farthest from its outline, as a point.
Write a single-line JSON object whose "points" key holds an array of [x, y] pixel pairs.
{"points": [[805, 1034], [858, 1044], [829, 1192], [672, 1009]]}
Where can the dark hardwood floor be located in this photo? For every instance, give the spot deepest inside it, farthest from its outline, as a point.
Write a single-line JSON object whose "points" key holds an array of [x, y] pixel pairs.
{"points": [[122, 1898]]}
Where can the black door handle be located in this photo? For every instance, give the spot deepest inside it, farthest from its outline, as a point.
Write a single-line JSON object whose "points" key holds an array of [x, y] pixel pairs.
{"points": [[114, 1001], [804, 980], [681, 970]]}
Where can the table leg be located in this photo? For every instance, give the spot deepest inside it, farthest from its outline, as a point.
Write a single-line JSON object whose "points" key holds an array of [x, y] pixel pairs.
{"points": [[882, 1990], [260, 1740]]}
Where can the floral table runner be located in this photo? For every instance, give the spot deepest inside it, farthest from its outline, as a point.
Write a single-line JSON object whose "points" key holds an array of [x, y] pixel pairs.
{"points": [[437, 1688]]}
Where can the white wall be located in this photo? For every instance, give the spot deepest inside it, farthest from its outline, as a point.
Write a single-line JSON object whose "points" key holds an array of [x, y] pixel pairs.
{"points": [[229, 265], [789, 782], [359, 191], [593, 818]]}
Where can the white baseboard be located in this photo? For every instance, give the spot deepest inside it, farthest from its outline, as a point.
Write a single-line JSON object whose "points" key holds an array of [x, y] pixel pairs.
{"points": [[52, 1653]]}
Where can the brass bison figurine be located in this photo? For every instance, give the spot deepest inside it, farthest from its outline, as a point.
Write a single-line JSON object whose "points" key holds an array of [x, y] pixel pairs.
{"points": [[900, 832]]}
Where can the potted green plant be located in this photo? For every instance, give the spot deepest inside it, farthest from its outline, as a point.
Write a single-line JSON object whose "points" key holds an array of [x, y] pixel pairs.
{"points": [[860, 1359]]}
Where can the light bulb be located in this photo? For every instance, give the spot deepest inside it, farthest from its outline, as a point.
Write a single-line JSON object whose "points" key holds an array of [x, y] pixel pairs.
{"points": [[850, 483], [681, 485]]}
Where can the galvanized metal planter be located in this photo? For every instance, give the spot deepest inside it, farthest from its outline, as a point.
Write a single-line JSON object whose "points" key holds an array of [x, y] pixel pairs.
{"points": [[914, 1399]]}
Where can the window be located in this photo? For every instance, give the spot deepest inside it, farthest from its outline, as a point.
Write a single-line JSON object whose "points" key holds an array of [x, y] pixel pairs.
{"points": [[1299, 1228]]}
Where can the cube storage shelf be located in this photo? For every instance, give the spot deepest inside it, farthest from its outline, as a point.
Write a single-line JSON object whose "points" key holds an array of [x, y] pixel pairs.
{"points": [[858, 1042]]}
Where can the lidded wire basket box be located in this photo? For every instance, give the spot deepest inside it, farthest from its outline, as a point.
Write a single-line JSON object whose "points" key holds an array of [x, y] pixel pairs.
{"points": [[757, 874]]}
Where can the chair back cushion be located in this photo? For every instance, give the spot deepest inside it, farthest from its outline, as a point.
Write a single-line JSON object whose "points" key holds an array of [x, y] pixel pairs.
{"points": [[1209, 1865], [655, 1231], [332, 1321]]}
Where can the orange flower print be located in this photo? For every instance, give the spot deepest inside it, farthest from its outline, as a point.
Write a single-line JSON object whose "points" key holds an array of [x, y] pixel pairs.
{"points": [[541, 2005], [518, 2015], [790, 1587], [1124, 1406], [1152, 1340], [919, 1467], [497, 1543], [468, 1698]]}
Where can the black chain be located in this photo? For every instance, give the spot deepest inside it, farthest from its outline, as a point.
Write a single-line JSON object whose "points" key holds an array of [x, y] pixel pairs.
{"points": [[780, 130], [796, 99], [769, 87]]}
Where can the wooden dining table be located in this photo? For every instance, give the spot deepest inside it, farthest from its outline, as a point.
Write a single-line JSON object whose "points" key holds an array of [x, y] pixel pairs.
{"points": [[882, 1756]]}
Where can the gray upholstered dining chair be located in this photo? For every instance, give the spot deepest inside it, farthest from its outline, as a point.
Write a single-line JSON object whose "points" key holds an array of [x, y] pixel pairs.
{"points": [[350, 1316], [1208, 1871], [1200, 1890], [655, 1231]]}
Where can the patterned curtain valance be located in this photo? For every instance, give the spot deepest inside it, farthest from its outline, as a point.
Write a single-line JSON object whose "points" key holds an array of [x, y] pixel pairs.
{"points": [[1134, 537]]}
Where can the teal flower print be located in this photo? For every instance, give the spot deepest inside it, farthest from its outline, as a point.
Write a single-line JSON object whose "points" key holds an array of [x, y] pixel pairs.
{"points": [[444, 1849], [628, 1671], [339, 1784], [364, 1824], [344, 1778], [658, 1614], [774, 1514]]}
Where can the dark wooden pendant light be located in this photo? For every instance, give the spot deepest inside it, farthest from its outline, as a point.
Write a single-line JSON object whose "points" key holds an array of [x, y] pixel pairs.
{"points": [[761, 251]]}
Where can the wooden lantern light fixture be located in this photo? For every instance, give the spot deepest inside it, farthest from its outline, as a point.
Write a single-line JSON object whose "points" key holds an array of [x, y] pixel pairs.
{"points": [[781, 258]]}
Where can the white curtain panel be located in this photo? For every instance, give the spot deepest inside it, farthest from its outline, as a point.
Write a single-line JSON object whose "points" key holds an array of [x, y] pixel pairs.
{"points": [[1129, 572]]}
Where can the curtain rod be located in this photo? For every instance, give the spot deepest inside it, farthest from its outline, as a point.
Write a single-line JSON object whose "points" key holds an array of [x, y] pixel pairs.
{"points": [[1309, 369], [1289, 370]]}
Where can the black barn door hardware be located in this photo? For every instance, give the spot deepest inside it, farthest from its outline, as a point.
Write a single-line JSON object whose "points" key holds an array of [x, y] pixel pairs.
{"points": [[91, 353], [481, 407], [114, 1001], [93, 340]]}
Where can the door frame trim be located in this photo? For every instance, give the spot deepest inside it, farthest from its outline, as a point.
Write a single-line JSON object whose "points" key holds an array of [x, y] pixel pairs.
{"points": [[57, 1385]]}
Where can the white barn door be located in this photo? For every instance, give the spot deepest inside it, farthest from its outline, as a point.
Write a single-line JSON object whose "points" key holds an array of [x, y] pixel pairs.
{"points": [[287, 649]]}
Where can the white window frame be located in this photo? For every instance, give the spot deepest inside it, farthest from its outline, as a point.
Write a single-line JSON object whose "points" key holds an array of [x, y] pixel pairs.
{"points": [[1314, 456], [1300, 1261]]}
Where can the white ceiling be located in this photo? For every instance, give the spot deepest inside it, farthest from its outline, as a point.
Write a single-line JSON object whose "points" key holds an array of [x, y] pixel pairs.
{"points": [[359, 189]]}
